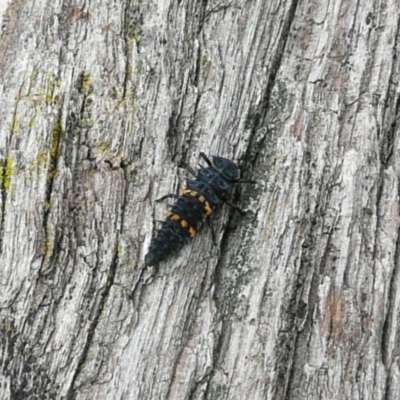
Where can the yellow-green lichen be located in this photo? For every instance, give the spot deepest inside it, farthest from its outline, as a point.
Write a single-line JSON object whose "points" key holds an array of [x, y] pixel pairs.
{"points": [[52, 85], [32, 122], [6, 174], [86, 123], [48, 93], [48, 248], [42, 158], [6, 326], [104, 151], [15, 125], [55, 140], [34, 75], [85, 85], [135, 34]]}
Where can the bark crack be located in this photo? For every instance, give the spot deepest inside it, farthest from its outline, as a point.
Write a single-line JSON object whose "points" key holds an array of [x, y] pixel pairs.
{"points": [[104, 296], [387, 146], [51, 175], [274, 68], [5, 179]]}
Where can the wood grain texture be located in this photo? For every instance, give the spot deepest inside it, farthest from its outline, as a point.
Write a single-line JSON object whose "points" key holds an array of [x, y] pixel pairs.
{"points": [[103, 103]]}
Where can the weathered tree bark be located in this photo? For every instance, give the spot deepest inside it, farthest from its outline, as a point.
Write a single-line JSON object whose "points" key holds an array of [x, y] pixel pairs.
{"points": [[101, 105]]}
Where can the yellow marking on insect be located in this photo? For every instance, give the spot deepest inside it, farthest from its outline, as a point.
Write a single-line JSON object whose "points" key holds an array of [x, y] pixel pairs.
{"points": [[184, 224], [170, 215], [191, 230], [208, 208], [199, 197]]}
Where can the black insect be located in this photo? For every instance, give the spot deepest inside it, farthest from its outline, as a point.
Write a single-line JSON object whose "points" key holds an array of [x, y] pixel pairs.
{"points": [[202, 196]]}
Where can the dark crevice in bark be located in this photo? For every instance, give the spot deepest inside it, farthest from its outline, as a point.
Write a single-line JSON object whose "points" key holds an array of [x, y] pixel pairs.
{"points": [[188, 325], [191, 128], [387, 357], [391, 108], [46, 295], [299, 315], [78, 126], [133, 20], [55, 139], [225, 296], [203, 17], [172, 131], [75, 154], [224, 308], [5, 180], [387, 144], [274, 68], [28, 377], [71, 394], [298, 321], [375, 254], [104, 296], [179, 136], [224, 311], [218, 351]]}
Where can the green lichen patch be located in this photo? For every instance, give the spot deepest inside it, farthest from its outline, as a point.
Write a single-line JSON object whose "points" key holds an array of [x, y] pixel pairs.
{"points": [[52, 86], [55, 139], [42, 158], [53, 154], [84, 83], [135, 33], [6, 173], [15, 125]]}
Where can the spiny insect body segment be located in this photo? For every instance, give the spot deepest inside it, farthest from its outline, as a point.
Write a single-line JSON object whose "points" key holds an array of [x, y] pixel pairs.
{"points": [[203, 195]]}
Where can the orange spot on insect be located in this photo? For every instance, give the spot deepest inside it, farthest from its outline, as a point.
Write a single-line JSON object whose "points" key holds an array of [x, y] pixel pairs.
{"points": [[174, 217], [192, 232], [208, 208], [184, 224]]}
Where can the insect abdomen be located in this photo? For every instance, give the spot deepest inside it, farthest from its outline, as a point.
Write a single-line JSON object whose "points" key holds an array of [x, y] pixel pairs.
{"points": [[170, 237], [182, 223]]}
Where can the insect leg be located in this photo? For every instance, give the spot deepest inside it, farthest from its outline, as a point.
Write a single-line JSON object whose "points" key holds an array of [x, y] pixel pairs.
{"points": [[168, 196], [236, 207], [206, 159], [191, 170]]}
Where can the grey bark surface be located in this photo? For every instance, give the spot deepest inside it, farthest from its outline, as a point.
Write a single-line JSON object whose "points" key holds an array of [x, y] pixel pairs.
{"points": [[102, 103]]}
